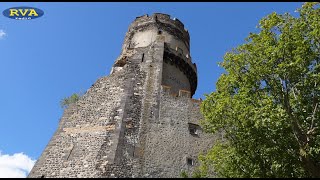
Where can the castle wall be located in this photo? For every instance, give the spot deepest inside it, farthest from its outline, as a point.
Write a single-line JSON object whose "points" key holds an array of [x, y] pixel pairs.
{"points": [[172, 76], [169, 142], [140, 121], [143, 38], [88, 133], [126, 159], [175, 43], [147, 37], [142, 31]]}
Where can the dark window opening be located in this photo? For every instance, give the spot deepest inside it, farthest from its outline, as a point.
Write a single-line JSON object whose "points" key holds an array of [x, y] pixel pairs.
{"points": [[190, 161], [142, 57], [159, 32], [194, 129], [42, 176]]}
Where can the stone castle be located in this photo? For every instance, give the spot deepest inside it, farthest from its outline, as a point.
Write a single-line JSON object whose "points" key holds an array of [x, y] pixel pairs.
{"points": [[141, 120]]}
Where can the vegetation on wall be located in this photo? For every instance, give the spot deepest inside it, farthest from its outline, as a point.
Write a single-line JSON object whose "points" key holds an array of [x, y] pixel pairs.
{"points": [[65, 102], [267, 102]]}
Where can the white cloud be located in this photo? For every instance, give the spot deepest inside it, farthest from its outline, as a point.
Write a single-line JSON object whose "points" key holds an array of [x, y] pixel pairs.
{"points": [[17, 165], [2, 33]]}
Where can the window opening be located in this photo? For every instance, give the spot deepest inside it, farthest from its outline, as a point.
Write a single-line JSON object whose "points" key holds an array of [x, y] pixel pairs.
{"points": [[190, 161]]}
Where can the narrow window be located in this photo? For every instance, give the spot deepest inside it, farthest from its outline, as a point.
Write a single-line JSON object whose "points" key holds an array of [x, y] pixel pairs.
{"points": [[190, 161], [142, 57], [71, 148], [159, 32], [42, 176]]}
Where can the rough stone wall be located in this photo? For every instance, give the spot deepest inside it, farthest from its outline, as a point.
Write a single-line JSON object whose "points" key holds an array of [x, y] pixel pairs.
{"points": [[174, 78], [90, 133], [141, 105], [136, 121], [169, 142]]}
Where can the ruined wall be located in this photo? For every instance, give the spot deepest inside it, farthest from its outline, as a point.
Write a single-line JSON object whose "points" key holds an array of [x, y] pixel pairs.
{"points": [[140, 121], [169, 142], [174, 78], [96, 133], [85, 127]]}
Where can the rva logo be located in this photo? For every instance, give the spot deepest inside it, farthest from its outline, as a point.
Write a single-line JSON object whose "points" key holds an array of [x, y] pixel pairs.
{"points": [[23, 13]]}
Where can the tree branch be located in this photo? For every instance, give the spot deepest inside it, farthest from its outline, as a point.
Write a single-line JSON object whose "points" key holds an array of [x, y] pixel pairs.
{"points": [[313, 115]]}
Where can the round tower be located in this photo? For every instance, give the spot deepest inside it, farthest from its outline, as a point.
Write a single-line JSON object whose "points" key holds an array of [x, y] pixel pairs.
{"points": [[179, 73]]}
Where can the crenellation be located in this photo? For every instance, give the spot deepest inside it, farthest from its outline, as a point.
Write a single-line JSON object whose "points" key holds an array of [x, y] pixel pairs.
{"points": [[185, 57], [182, 92], [197, 101], [142, 17], [158, 21], [178, 23], [161, 16]]}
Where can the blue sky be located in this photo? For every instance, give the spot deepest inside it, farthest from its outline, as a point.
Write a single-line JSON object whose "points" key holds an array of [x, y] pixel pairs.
{"points": [[65, 51]]}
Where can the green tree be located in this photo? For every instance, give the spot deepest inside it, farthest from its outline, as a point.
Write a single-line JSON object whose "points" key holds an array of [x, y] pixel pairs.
{"points": [[267, 102], [65, 102]]}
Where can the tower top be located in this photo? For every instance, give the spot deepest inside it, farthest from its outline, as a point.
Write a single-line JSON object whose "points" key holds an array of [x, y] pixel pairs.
{"points": [[162, 21], [144, 32]]}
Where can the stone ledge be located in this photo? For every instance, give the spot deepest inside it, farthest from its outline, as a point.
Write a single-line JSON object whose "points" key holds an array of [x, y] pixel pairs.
{"points": [[89, 129]]}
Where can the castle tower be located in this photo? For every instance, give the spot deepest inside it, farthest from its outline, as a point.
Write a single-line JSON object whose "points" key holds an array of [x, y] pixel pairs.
{"points": [[141, 120]]}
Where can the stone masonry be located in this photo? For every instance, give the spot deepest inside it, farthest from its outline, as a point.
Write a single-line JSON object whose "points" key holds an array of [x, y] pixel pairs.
{"points": [[141, 120]]}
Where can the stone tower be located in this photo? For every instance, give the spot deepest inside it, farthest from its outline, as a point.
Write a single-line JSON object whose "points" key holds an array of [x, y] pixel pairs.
{"points": [[141, 120]]}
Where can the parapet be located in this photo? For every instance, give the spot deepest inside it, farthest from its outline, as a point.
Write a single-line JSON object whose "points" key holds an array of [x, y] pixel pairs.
{"points": [[184, 64], [163, 21], [184, 57], [161, 17], [182, 93], [198, 101]]}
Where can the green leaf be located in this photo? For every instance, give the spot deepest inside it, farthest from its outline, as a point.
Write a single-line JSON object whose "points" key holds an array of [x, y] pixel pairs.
{"points": [[265, 102]]}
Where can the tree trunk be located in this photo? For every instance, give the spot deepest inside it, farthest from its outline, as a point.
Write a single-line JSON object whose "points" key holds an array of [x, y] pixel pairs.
{"points": [[310, 167]]}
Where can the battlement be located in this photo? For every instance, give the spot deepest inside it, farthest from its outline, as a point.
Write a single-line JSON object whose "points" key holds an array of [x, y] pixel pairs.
{"points": [[182, 93], [198, 101], [185, 57], [164, 22], [161, 17]]}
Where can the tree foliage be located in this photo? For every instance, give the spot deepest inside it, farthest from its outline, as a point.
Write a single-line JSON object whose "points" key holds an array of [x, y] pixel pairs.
{"points": [[183, 174], [267, 102], [65, 102]]}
